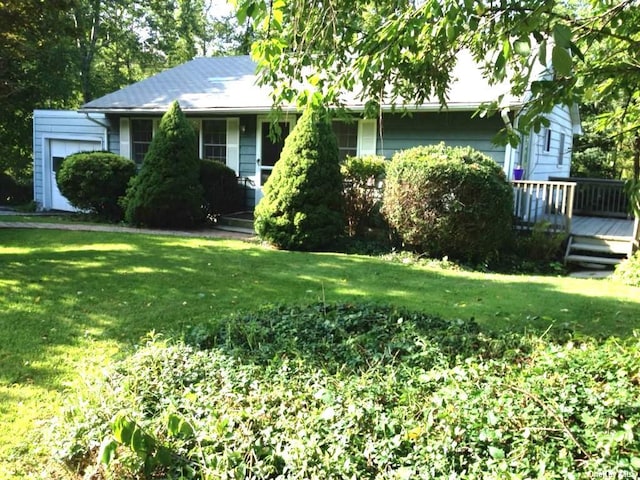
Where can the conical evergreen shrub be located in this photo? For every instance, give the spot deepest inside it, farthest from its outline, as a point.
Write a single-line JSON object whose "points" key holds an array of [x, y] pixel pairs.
{"points": [[167, 192], [302, 207]]}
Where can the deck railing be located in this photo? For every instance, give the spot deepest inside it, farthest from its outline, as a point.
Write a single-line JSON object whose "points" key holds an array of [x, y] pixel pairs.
{"points": [[543, 201], [597, 197]]}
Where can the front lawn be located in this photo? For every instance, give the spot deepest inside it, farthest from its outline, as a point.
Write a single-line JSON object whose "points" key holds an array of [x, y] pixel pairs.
{"points": [[72, 301]]}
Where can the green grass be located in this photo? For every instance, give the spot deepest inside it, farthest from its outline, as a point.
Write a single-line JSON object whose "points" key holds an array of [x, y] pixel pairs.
{"points": [[49, 218], [71, 301]]}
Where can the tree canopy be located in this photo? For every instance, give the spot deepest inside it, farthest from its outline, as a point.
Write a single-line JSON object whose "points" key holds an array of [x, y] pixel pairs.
{"points": [[404, 50], [62, 53]]}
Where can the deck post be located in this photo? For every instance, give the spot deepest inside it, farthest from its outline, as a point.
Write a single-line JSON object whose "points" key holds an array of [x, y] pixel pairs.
{"points": [[569, 204]]}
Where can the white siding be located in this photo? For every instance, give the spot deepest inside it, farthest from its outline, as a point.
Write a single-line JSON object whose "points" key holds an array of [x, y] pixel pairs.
{"points": [[62, 125], [550, 149]]}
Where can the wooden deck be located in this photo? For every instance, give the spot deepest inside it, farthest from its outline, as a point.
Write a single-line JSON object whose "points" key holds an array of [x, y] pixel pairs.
{"points": [[614, 228]]}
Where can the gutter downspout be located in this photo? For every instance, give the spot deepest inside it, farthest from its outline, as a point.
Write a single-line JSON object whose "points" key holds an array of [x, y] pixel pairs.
{"points": [[103, 125]]}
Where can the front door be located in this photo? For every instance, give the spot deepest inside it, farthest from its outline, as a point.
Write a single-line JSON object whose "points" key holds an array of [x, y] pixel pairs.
{"points": [[58, 151], [268, 150]]}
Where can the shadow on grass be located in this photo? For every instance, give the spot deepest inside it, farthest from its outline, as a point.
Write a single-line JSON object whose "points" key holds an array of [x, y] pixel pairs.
{"points": [[62, 289]]}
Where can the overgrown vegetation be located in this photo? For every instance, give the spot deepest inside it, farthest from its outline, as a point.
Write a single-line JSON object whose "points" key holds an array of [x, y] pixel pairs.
{"points": [[302, 207], [167, 193], [447, 201], [629, 271], [96, 182], [357, 391], [363, 179]]}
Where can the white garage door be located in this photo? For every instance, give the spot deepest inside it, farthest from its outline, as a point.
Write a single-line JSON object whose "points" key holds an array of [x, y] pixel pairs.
{"points": [[59, 150]]}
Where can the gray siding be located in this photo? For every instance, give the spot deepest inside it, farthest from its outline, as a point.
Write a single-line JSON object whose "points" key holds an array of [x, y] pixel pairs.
{"points": [[59, 124], [453, 128], [554, 161]]}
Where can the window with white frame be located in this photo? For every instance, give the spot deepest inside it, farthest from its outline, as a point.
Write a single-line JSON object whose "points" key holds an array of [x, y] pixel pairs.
{"points": [[347, 137], [214, 140], [141, 136]]}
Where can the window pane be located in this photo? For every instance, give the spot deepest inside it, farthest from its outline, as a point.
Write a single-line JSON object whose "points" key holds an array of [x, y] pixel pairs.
{"points": [[347, 137], [214, 139], [141, 136]]}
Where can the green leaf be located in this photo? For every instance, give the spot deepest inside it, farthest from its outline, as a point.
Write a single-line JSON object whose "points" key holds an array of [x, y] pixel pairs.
{"points": [[107, 450], [561, 61], [543, 53], [177, 426], [562, 35], [522, 47], [635, 463], [123, 429], [496, 453]]}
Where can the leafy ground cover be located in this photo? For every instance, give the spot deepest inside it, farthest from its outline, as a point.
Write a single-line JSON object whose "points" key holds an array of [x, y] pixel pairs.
{"points": [[73, 301], [361, 391]]}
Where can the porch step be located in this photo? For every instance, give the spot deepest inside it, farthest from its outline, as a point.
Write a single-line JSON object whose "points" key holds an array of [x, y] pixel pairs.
{"points": [[596, 250], [592, 259], [241, 222]]}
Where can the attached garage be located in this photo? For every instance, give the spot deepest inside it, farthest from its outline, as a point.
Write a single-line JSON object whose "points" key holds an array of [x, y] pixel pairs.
{"points": [[56, 135]]}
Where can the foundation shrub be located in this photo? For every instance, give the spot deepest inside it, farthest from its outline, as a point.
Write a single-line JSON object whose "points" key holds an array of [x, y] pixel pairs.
{"points": [[96, 182], [167, 193], [222, 193], [363, 179], [303, 207], [447, 201]]}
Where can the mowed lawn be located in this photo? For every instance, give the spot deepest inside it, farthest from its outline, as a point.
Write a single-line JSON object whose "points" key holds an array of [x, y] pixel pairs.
{"points": [[71, 302]]}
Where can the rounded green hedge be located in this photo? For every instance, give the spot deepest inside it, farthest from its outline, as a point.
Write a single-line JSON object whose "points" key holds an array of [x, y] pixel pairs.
{"points": [[448, 201], [96, 181]]}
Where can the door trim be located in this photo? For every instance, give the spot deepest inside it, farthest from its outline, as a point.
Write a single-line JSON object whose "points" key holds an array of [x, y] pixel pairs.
{"points": [[47, 163], [260, 119]]}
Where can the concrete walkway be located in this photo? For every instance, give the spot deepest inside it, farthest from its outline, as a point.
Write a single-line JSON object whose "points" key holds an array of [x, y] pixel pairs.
{"points": [[206, 233]]}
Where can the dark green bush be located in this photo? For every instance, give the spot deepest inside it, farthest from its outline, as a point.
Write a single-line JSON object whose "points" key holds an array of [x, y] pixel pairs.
{"points": [[357, 391], [167, 193], [13, 192], [96, 181], [363, 189], [302, 207], [629, 271], [446, 201], [222, 192]]}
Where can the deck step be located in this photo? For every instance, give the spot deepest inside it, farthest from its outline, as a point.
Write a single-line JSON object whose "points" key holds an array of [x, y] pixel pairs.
{"points": [[592, 259], [621, 249], [236, 229]]}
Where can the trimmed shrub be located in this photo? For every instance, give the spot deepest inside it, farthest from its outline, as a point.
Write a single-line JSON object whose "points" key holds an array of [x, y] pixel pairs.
{"points": [[447, 201], [629, 271], [302, 207], [96, 181], [13, 192], [363, 188], [390, 393], [222, 193], [167, 191]]}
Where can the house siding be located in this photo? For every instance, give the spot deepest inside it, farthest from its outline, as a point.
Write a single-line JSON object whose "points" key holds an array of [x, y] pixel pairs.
{"points": [[453, 128], [544, 163], [62, 125]]}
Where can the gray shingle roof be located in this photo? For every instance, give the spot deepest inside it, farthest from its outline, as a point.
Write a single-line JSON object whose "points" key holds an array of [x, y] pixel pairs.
{"points": [[228, 84]]}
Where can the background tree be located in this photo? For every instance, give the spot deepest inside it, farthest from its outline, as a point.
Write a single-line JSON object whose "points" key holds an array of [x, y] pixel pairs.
{"points": [[62, 53]]}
